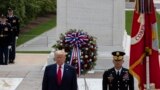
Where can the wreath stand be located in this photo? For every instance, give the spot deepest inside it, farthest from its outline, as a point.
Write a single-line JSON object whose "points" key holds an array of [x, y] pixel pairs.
{"points": [[85, 83]]}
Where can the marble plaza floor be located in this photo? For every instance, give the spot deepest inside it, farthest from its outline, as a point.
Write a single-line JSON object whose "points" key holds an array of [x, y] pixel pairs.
{"points": [[27, 74], [13, 83], [9, 83]]}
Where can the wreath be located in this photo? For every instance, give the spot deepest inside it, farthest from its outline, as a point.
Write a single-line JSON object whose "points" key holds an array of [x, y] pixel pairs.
{"points": [[81, 49]]}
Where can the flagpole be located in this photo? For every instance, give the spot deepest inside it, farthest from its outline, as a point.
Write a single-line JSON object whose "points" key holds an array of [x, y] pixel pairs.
{"points": [[147, 74], [148, 52]]}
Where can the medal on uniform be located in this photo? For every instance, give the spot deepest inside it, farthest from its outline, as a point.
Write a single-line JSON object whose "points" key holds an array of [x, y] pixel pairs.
{"points": [[5, 29], [14, 21], [126, 76], [1, 35], [110, 78]]}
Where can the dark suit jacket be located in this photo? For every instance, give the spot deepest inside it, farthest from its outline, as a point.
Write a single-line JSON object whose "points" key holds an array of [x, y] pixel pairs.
{"points": [[124, 81], [69, 79]]}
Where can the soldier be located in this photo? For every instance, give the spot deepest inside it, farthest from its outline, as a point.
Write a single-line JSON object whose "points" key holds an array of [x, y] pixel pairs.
{"points": [[118, 77], [14, 21], [5, 40]]}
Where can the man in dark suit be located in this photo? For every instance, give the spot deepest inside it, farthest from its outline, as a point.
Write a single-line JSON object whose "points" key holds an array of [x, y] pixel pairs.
{"points": [[60, 76], [118, 77]]}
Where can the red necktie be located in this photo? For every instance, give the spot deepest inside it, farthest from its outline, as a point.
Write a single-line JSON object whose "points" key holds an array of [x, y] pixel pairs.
{"points": [[59, 75]]}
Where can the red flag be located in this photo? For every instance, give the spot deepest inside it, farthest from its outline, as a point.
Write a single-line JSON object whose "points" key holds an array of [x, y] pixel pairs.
{"points": [[144, 35]]}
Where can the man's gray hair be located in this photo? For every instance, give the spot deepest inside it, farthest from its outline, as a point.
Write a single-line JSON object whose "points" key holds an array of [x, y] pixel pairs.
{"points": [[60, 52]]}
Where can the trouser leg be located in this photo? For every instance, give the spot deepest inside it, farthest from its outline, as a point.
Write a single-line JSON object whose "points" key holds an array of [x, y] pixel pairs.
{"points": [[1, 56], [12, 52], [6, 55]]}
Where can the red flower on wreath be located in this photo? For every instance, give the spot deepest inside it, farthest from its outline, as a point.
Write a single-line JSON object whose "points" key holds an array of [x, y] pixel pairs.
{"points": [[81, 49]]}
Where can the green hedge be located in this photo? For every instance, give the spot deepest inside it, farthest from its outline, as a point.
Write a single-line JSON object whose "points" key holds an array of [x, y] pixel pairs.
{"points": [[29, 9]]}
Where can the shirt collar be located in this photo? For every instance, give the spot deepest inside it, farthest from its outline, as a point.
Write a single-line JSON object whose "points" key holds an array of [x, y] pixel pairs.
{"points": [[61, 65], [118, 70], [10, 15]]}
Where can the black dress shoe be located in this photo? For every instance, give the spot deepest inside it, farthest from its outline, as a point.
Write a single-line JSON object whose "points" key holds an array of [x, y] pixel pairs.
{"points": [[3, 64], [11, 61]]}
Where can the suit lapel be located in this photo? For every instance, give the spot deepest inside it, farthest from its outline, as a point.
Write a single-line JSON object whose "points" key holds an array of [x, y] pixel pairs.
{"points": [[64, 73], [113, 72], [55, 73], [123, 72]]}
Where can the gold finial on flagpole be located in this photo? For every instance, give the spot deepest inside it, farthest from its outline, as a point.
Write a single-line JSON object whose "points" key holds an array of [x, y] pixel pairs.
{"points": [[148, 51]]}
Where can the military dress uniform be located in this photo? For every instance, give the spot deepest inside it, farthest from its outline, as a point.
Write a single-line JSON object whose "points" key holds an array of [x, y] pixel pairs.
{"points": [[5, 42], [121, 79], [113, 81], [15, 24]]}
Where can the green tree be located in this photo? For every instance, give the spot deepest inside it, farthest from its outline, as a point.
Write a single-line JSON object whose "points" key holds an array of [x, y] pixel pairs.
{"points": [[27, 10]]}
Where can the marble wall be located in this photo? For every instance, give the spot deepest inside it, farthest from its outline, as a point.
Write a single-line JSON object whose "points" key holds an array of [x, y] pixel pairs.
{"points": [[104, 19]]}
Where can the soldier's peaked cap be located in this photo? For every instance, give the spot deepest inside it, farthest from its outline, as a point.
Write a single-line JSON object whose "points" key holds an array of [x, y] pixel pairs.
{"points": [[10, 9], [118, 55]]}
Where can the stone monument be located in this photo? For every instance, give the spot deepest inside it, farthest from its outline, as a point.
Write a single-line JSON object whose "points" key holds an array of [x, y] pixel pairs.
{"points": [[104, 19]]}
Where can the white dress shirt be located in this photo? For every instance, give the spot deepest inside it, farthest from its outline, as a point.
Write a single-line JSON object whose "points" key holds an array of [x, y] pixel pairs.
{"points": [[118, 70], [62, 69]]}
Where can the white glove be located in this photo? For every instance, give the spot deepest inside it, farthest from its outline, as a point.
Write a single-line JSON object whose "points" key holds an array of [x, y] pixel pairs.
{"points": [[16, 37], [9, 47]]}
